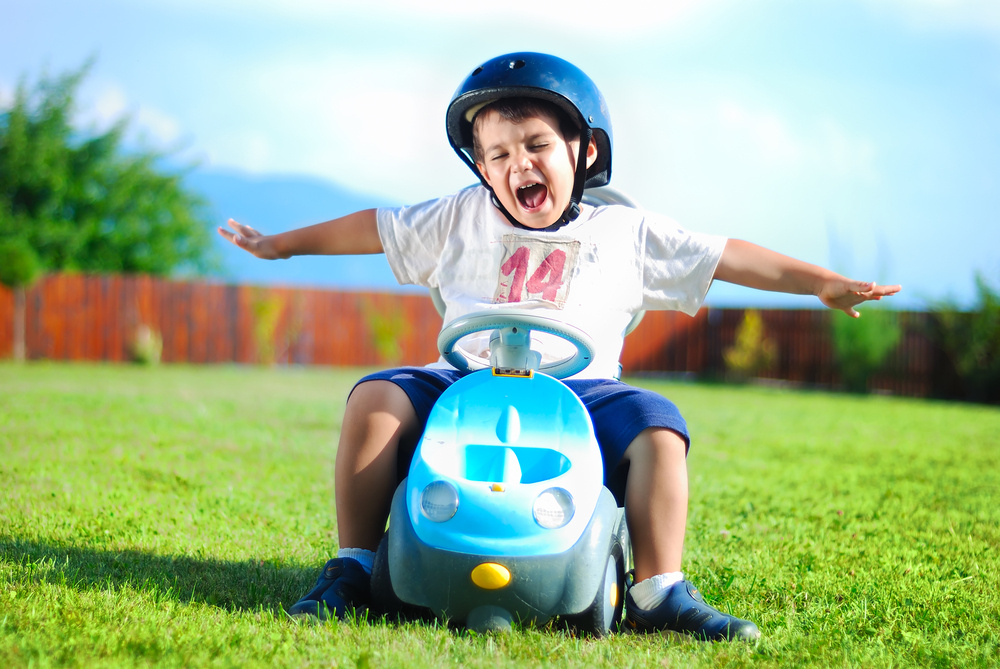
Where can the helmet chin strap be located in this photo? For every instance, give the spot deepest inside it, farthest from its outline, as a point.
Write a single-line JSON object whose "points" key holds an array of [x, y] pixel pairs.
{"points": [[573, 209]]}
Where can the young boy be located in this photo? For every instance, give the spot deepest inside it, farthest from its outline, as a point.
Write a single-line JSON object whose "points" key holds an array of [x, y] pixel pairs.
{"points": [[535, 131]]}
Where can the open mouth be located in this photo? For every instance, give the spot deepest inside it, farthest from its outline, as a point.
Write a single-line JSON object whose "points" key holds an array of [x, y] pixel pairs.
{"points": [[531, 196]]}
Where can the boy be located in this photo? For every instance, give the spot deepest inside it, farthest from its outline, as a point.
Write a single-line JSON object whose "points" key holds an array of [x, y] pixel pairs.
{"points": [[535, 131]]}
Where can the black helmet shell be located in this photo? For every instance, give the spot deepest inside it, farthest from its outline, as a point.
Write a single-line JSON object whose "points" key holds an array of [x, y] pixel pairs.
{"points": [[533, 75]]}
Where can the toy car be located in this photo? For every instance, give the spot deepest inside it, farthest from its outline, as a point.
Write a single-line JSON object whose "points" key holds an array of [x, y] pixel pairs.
{"points": [[504, 514]]}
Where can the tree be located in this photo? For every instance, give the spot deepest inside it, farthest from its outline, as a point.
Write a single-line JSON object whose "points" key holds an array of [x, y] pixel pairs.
{"points": [[81, 201]]}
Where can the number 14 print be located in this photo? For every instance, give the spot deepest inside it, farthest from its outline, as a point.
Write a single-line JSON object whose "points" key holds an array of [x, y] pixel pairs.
{"points": [[535, 270]]}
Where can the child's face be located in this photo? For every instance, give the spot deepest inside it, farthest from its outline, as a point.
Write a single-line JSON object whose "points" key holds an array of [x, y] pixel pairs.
{"points": [[529, 166]]}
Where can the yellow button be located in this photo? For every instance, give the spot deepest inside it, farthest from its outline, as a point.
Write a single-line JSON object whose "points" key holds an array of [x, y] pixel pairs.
{"points": [[491, 576], [497, 487]]}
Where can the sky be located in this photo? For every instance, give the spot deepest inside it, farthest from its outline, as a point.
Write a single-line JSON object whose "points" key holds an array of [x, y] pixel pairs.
{"points": [[863, 135]]}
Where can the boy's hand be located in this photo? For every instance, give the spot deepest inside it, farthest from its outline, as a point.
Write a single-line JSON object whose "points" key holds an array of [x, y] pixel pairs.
{"points": [[754, 266], [845, 294], [251, 241]]}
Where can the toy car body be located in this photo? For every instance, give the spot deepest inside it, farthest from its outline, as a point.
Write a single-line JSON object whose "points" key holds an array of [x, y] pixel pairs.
{"points": [[504, 514]]}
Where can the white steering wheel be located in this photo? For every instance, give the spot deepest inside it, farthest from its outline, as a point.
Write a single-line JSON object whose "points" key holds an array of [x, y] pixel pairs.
{"points": [[515, 319]]}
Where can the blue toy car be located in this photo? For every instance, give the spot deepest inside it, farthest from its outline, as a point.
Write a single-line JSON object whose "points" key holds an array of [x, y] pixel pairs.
{"points": [[504, 515]]}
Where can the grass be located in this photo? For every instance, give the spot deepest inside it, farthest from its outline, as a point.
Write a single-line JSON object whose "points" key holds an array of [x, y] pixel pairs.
{"points": [[165, 516]]}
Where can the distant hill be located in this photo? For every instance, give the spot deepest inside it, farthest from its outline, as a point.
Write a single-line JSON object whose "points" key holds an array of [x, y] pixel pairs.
{"points": [[276, 203]]}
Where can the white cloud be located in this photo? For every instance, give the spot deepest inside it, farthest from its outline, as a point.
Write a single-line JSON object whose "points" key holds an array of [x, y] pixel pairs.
{"points": [[844, 154], [350, 128], [246, 150], [762, 133], [107, 103], [108, 107], [6, 95], [819, 146], [593, 17], [695, 155], [935, 15], [156, 126]]}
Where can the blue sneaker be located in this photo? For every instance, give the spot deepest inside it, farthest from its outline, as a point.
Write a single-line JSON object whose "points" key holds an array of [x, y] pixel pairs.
{"points": [[343, 588], [685, 611]]}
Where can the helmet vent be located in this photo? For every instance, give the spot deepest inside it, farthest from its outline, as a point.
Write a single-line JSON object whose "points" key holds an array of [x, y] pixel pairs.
{"points": [[478, 70], [516, 64]]}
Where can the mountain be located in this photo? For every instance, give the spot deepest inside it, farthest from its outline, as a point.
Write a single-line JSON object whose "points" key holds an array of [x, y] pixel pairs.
{"points": [[276, 203]]}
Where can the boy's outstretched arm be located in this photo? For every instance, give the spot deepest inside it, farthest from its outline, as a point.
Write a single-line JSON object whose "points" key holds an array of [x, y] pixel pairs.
{"points": [[353, 234], [754, 266]]}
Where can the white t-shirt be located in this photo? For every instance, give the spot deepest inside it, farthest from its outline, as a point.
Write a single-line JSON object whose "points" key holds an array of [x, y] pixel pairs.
{"points": [[595, 272]]}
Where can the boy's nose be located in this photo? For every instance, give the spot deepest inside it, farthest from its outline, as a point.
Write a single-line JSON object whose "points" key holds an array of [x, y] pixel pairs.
{"points": [[522, 163]]}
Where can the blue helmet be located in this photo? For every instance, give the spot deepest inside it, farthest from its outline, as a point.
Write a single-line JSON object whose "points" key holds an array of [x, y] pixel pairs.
{"points": [[536, 75]]}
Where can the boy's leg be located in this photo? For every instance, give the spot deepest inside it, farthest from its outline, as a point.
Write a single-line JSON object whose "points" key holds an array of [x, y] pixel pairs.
{"points": [[379, 415], [656, 501]]}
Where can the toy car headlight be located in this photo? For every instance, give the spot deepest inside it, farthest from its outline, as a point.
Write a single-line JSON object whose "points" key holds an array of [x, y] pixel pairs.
{"points": [[553, 508], [439, 501]]}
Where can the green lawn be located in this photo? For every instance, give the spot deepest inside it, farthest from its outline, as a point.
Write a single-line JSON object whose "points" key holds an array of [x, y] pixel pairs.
{"points": [[165, 516]]}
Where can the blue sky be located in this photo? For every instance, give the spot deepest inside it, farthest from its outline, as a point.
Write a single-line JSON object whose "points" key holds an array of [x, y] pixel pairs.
{"points": [[858, 134]]}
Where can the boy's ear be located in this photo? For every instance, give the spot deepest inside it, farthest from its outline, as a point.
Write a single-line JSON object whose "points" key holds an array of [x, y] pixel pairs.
{"points": [[591, 152], [483, 174]]}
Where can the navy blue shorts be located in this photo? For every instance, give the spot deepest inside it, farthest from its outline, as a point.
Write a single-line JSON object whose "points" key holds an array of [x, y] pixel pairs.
{"points": [[619, 411]]}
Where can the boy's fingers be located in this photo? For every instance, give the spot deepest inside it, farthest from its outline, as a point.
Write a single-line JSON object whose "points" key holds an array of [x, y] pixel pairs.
{"points": [[241, 229], [872, 291], [234, 237]]}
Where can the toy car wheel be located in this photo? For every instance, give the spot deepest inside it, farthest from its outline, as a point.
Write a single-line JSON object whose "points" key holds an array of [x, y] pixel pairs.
{"points": [[384, 599], [605, 613]]}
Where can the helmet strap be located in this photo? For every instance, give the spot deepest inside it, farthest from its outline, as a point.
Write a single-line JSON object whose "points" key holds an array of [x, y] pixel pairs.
{"points": [[573, 210]]}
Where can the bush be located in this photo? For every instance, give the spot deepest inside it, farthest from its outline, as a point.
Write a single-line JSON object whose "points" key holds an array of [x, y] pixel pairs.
{"points": [[19, 264], [971, 341], [147, 346], [861, 346], [267, 308], [387, 326], [752, 353]]}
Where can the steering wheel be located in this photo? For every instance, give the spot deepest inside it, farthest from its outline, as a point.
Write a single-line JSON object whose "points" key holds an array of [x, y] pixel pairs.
{"points": [[515, 319]]}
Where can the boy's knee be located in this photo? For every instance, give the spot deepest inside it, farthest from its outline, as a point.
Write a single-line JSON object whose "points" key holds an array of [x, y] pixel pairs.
{"points": [[381, 407], [379, 395], [656, 443]]}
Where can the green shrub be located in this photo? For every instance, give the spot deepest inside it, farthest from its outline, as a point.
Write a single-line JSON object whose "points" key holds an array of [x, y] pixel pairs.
{"points": [[19, 264], [861, 346], [147, 346], [267, 308], [752, 353], [971, 341], [387, 326]]}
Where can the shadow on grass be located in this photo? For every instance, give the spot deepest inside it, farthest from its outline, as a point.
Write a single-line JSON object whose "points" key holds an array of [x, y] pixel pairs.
{"points": [[234, 586]]}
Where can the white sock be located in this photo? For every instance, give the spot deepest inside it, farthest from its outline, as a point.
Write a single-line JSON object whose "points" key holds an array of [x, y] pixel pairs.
{"points": [[364, 556], [649, 593]]}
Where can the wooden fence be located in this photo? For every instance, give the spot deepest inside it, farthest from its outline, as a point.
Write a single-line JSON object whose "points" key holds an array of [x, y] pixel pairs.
{"points": [[96, 318]]}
